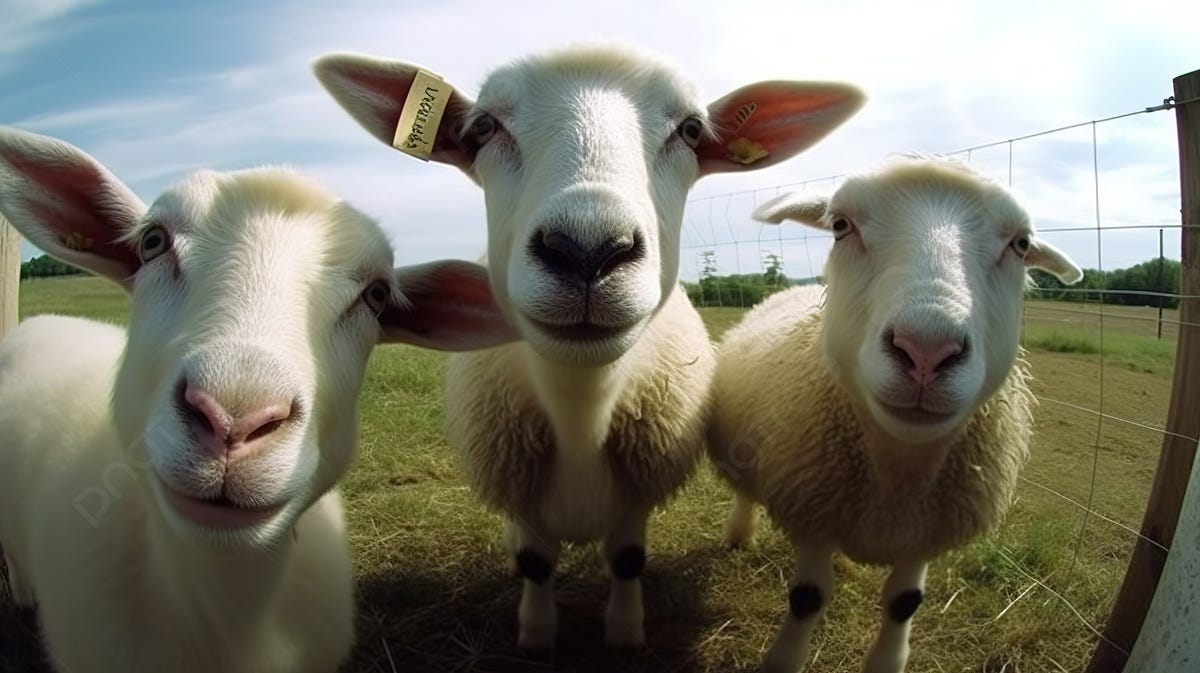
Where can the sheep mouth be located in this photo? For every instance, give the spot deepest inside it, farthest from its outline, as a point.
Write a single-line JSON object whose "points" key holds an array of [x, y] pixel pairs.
{"points": [[218, 512], [917, 415], [580, 332]]}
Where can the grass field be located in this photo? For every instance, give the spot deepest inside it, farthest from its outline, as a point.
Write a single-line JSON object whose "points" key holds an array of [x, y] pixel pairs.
{"points": [[434, 594]]}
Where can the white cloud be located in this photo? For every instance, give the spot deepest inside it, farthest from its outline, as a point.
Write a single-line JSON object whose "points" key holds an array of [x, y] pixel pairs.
{"points": [[940, 75], [28, 23]]}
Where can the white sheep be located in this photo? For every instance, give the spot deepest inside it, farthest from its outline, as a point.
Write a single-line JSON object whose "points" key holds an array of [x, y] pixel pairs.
{"points": [[165, 491], [585, 157], [889, 422]]}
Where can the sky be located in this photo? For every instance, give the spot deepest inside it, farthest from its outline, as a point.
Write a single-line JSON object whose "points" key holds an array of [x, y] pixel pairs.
{"points": [[155, 90]]}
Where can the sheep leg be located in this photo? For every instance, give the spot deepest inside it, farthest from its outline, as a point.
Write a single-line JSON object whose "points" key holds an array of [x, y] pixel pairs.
{"points": [[811, 588], [739, 530], [21, 594], [535, 554], [902, 593], [624, 552]]}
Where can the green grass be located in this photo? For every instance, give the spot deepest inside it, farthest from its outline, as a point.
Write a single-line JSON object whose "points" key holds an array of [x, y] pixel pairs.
{"points": [[1136, 352], [434, 593], [84, 296]]}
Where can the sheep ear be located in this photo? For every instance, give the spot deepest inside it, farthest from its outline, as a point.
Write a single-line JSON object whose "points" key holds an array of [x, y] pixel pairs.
{"points": [[765, 123], [374, 91], [68, 204], [1046, 257], [447, 305], [799, 206]]}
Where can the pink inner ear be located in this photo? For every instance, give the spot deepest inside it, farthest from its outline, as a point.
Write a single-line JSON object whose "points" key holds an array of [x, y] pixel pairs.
{"points": [[451, 309], [395, 89], [73, 201], [765, 123]]}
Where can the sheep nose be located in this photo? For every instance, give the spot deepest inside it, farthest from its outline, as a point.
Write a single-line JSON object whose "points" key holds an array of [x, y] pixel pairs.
{"points": [[221, 433], [924, 357], [568, 259]]}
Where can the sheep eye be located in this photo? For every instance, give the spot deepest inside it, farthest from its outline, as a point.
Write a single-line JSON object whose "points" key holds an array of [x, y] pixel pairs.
{"points": [[483, 129], [691, 130], [377, 295], [841, 228], [154, 243], [1020, 245]]}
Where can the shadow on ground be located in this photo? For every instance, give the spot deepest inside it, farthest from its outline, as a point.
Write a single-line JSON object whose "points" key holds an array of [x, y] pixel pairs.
{"points": [[426, 622]]}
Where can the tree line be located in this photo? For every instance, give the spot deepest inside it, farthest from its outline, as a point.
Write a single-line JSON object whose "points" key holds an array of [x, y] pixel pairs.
{"points": [[1139, 285], [45, 265], [745, 289]]}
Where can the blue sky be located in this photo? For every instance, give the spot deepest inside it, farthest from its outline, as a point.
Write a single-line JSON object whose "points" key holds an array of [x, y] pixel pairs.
{"points": [[157, 89]]}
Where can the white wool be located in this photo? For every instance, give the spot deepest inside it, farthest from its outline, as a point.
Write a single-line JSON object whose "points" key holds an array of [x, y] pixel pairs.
{"points": [[886, 415]]}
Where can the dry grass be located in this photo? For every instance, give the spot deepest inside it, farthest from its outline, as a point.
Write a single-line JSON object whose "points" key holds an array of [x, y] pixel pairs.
{"points": [[435, 595]]}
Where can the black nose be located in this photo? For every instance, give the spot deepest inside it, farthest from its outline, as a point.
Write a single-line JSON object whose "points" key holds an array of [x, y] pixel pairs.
{"points": [[566, 258]]}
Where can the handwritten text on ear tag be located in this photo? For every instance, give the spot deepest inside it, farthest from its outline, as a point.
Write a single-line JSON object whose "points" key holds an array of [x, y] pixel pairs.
{"points": [[422, 115]]}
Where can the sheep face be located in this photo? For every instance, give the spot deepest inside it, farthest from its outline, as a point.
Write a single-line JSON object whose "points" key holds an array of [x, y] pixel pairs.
{"points": [[586, 157], [925, 285], [585, 173], [254, 312], [257, 298]]}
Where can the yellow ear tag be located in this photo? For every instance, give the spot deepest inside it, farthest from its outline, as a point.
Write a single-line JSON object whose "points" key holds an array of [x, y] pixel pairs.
{"points": [[77, 241], [422, 115], [746, 151]]}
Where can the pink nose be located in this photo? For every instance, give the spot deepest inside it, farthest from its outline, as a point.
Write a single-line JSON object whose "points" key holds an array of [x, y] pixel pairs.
{"points": [[928, 357], [224, 435]]}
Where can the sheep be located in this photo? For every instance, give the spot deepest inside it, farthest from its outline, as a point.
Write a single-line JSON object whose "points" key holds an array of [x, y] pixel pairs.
{"points": [[166, 491], [887, 414], [577, 432]]}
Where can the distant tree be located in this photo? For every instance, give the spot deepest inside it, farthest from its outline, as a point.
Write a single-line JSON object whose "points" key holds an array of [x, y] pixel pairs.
{"points": [[708, 264], [45, 265], [773, 274]]}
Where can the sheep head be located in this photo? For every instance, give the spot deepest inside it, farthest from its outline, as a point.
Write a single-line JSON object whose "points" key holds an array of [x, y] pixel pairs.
{"points": [[257, 297], [925, 283], [586, 157]]}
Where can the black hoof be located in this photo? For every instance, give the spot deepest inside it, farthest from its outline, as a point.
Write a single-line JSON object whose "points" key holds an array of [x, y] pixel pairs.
{"points": [[805, 600], [628, 562], [904, 605], [533, 566]]}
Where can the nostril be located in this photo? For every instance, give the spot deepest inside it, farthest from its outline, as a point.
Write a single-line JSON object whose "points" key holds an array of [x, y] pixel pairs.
{"points": [[617, 252], [559, 252], [204, 413], [949, 354], [264, 430], [896, 350], [259, 423]]}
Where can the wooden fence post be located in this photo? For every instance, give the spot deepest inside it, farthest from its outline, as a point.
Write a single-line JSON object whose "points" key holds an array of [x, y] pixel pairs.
{"points": [[1175, 463], [10, 275]]}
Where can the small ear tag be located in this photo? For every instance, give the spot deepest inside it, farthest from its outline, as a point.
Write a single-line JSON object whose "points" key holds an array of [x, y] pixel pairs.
{"points": [[422, 115], [78, 242], [746, 151]]}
